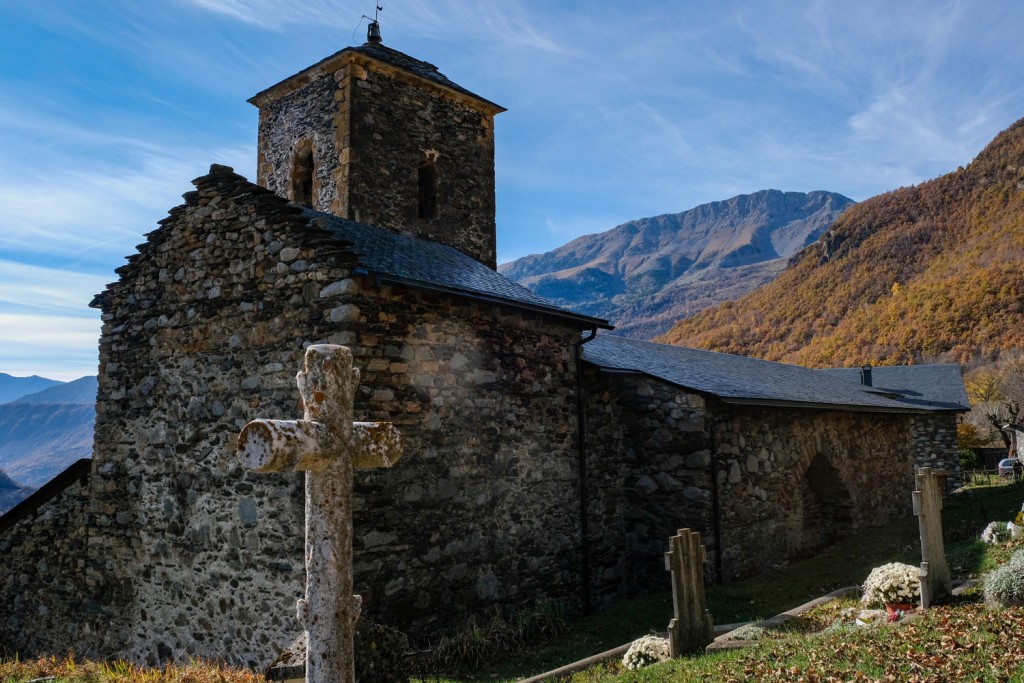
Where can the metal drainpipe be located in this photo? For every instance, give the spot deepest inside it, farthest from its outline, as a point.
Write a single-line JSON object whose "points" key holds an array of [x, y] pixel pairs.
{"points": [[716, 502], [581, 437]]}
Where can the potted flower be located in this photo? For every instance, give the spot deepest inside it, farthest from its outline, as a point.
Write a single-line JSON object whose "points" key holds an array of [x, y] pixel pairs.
{"points": [[894, 585]]}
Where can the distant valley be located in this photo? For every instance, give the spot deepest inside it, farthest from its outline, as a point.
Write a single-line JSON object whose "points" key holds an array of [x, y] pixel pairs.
{"points": [[42, 431], [646, 274]]}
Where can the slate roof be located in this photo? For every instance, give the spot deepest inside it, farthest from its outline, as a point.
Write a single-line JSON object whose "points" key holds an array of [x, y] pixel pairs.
{"points": [[936, 387], [388, 55], [736, 379], [424, 264]]}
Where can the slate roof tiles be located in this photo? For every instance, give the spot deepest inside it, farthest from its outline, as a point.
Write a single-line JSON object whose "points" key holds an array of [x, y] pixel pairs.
{"points": [[738, 379], [417, 262]]}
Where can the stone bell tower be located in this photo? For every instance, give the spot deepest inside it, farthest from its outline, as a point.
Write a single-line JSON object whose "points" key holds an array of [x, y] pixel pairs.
{"points": [[374, 135]]}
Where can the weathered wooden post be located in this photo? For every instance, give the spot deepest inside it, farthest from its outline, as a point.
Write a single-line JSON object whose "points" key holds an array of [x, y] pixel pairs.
{"points": [[327, 445], [691, 627], [936, 583]]}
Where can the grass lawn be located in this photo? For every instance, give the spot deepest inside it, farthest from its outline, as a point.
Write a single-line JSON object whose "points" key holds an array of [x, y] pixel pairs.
{"points": [[961, 641], [846, 563]]}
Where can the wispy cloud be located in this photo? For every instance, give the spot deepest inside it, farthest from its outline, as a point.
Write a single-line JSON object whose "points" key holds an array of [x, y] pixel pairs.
{"points": [[58, 347], [617, 110], [52, 290]]}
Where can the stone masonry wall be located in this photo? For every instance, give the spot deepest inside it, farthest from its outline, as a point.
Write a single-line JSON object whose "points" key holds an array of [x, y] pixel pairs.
{"points": [[935, 445], [792, 480], [649, 461], [789, 480], [205, 331], [371, 127], [42, 576], [482, 510]]}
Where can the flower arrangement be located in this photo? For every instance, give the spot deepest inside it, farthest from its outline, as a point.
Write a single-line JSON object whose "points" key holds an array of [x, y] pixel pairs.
{"points": [[645, 651], [892, 583], [996, 532]]}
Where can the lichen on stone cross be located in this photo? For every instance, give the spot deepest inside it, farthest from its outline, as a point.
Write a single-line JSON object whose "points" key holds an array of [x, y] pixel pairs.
{"points": [[327, 445]]}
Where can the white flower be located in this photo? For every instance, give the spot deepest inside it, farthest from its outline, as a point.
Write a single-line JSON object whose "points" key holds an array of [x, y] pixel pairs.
{"points": [[645, 651], [995, 532], [892, 583]]}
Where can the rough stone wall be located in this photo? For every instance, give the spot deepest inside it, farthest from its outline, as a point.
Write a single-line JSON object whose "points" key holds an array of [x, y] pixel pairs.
{"points": [[791, 480], [371, 127], [935, 445], [42, 576], [650, 475], [205, 331], [482, 510]]}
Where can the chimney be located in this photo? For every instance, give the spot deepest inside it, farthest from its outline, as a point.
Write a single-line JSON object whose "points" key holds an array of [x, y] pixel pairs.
{"points": [[865, 375], [373, 32]]}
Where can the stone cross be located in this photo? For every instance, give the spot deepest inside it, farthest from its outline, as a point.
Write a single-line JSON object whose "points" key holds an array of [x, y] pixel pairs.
{"points": [[327, 445], [936, 583], [691, 627]]}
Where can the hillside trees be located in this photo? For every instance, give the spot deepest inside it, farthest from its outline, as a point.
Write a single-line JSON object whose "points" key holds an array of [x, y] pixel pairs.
{"points": [[928, 273]]}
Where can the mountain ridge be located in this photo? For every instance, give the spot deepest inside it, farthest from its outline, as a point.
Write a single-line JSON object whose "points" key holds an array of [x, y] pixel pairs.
{"points": [[643, 274], [79, 391], [12, 388]]}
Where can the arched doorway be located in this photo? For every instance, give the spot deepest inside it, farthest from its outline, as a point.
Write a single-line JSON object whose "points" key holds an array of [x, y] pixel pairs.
{"points": [[826, 507]]}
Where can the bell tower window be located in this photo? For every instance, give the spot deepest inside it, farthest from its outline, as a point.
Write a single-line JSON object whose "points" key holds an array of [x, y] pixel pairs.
{"points": [[428, 181], [302, 174]]}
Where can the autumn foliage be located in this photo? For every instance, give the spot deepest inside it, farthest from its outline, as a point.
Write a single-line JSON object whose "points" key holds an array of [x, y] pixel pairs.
{"points": [[928, 273]]}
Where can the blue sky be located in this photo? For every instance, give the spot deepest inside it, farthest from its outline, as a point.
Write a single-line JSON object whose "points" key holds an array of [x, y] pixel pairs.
{"points": [[617, 110]]}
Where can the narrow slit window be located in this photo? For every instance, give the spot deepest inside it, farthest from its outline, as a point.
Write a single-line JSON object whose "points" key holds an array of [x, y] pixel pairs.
{"points": [[302, 176], [428, 190]]}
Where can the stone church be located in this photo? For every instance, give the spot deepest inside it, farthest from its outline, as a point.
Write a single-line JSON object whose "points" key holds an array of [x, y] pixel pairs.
{"points": [[545, 459]]}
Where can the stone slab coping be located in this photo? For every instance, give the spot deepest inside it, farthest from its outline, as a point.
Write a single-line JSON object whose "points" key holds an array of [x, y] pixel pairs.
{"points": [[77, 472]]}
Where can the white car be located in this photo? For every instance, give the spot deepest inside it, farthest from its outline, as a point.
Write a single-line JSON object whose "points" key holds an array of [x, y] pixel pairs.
{"points": [[1006, 466]]}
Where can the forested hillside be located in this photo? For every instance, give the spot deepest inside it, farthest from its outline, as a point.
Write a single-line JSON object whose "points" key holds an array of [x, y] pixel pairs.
{"points": [[924, 273]]}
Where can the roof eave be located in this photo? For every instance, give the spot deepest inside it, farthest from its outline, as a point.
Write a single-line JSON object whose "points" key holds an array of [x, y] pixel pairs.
{"points": [[822, 406], [736, 400], [299, 79], [583, 320]]}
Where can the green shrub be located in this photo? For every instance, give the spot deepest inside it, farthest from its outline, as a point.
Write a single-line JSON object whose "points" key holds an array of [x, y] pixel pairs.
{"points": [[495, 639], [968, 459], [380, 653]]}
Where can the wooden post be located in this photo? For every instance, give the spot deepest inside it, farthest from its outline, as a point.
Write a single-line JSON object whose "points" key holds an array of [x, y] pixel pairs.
{"points": [[691, 627], [936, 584], [326, 444]]}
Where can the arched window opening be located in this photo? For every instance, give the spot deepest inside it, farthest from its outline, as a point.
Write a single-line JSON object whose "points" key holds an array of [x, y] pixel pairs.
{"points": [[428, 180], [302, 176]]}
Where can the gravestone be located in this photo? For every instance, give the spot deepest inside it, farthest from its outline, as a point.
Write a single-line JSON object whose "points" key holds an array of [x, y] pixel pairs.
{"points": [[936, 583], [691, 627], [327, 445]]}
